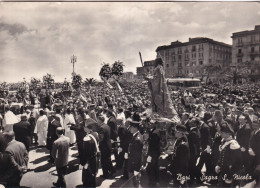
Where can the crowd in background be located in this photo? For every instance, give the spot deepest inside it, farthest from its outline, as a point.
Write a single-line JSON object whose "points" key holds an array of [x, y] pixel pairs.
{"points": [[219, 131]]}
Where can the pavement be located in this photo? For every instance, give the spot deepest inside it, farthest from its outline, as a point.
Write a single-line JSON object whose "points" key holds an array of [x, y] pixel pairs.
{"points": [[42, 173]]}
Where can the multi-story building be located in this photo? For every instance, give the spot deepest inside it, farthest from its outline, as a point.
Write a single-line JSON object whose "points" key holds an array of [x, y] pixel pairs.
{"points": [[246, 51], [191, 59], [128, 76], [146, 69]]}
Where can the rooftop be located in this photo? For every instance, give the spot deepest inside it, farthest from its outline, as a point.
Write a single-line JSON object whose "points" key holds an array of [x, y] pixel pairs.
{"points": [[197, 40]]}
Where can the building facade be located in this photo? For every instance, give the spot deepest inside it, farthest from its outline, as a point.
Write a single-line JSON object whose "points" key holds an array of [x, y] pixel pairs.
{"points": [[148, 68], [246, 51], [191, 59], [128, 76]]}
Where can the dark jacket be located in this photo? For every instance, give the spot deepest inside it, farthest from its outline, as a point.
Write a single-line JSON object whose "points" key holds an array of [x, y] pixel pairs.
{"points": [[205, 137], [23, 132], [113, 127], [254, 144], [229, 158], [243, 136], [90, 153], [105, 141], [181, 157], [125, 138], [194, 141], [135, 151], [52, 136]]}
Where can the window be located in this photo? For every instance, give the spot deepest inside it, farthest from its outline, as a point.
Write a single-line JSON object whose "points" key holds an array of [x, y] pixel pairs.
{"points": [[239, 41], [252, 38], [173, 58], [239, 60], [193, 55], [167, 65], [193, 63], [252, 58], [193, 48], [201, 62], [239, 51], [187, 63], [179, 57], [210, 61], [252, 49]]}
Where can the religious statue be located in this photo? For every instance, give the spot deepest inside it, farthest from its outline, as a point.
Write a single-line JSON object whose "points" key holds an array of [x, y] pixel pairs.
{"points": [[160, 97]]}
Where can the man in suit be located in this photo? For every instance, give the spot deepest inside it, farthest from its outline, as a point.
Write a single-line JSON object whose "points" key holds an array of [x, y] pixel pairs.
{"points": [[60, 152], [134, 154], [229, 158], [125, 137], [243, 138], [154, 153], [194, 145], [105, 147], [254, 151], [89, 161], [19, 156], [79, 129], [181, 157], [23, 131], [54, 123]]}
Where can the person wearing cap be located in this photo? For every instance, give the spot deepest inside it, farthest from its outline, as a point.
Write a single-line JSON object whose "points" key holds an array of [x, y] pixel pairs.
{"points": [[60, 153], [89, 161], [229, 158], [180, 157], [23, 131], [134, 154]]}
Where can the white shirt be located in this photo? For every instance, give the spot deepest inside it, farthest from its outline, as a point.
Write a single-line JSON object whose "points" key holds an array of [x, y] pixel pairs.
{"points": [[69, 118]]}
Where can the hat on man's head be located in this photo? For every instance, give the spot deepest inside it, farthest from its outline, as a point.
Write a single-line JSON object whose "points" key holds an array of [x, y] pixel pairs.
{"points": [[181, 128], [135, 124]]}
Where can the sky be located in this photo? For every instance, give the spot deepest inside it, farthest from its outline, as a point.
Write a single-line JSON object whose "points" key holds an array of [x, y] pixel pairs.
{"points": [[37, 38]]}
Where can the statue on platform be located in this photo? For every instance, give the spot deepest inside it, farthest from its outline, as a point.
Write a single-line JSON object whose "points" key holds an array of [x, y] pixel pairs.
{"points": [[160, 97]]}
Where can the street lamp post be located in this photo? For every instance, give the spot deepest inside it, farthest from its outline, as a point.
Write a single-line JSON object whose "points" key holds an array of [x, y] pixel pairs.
{"points": [[73, 61]]}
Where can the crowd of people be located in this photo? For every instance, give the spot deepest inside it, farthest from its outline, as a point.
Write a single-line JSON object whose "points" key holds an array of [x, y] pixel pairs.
{"points": [[216, 142]]}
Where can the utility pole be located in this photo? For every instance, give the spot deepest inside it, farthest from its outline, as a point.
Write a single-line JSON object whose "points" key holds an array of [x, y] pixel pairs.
{"points": [[73, 61]]}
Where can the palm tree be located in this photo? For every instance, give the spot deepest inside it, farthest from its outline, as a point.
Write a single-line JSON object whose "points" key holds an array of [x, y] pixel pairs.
{"points": [[90, 81]]}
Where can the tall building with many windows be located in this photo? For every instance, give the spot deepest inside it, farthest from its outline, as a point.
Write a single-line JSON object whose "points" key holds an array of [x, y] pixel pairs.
{"points": [[192, 58], [246, 51], [146, 69]]}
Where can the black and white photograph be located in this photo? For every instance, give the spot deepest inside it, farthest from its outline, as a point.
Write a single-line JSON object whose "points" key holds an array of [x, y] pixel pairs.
{"points": [[130, 94]]}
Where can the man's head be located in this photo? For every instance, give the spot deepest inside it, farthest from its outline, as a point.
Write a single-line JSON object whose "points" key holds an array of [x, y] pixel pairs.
{"points": [[9, 136], [180, 131], [134, 126], [59, 131], [226, 130]]}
